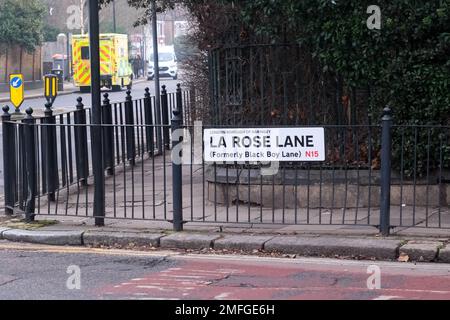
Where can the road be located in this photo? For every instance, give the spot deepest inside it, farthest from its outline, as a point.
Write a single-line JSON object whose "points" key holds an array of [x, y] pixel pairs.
{"points": [[41, 272], [68, 102]]}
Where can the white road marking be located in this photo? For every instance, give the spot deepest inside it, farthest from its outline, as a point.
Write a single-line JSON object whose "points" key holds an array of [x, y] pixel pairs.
{"points": [[222, 296], [387, 298]]}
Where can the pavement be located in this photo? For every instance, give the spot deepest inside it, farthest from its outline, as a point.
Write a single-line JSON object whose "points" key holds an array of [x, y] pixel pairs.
{"points": [[206, 238], [69, 88]]}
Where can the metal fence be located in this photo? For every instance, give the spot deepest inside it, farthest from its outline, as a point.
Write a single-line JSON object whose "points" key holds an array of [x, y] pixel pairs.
{"points": [[373, 175], [48, 160], [280, 84]]}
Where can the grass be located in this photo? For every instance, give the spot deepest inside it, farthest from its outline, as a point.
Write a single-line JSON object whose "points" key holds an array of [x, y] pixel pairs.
{"points": [[21, 224]]}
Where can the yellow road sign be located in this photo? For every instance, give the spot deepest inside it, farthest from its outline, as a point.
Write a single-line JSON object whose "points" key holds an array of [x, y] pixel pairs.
{"points": [[16, 90], [51, 87]]}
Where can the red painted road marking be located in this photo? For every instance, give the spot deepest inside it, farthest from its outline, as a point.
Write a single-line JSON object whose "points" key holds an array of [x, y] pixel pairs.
{"points": [[241, 280]]}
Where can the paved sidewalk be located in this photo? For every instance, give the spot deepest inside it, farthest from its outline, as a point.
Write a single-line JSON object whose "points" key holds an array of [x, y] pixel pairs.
{"points": [[323, 241], [136, 196]]}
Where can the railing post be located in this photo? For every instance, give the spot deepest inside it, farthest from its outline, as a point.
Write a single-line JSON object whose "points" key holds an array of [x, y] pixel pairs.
{"points": [[129, 121], [193, 107], [177, 172], [385, 174], [180, 101], [81, 147], [9, 161], [30, 165], [149, 129], [108, 136], [51, 163], [165, 117]]}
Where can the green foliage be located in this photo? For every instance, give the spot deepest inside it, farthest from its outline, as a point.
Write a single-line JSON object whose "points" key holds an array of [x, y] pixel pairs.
{"points": [[406, 64], [50, 33], [21, 23]]}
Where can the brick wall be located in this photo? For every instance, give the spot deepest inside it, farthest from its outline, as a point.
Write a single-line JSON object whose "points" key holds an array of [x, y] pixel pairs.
{"points": [[17, 60]]}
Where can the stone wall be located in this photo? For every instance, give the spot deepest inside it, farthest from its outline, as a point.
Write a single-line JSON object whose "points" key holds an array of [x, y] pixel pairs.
{"points": [[319, 189]]}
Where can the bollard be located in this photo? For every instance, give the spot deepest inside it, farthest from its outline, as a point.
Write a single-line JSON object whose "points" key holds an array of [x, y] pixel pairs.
{"points": [[129, 121], [165, 117], [385, 174], [30, 165], [149, 128], [81, 147], [9, 161], [51, 157], [177, 170], [108, 136]]}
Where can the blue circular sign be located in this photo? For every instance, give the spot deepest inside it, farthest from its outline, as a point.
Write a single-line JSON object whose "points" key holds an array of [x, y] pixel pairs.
{"points": [[16, 82]]}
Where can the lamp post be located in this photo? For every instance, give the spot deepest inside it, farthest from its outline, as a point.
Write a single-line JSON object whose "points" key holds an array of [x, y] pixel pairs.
{"points": [[156, 70], [114, 16]]}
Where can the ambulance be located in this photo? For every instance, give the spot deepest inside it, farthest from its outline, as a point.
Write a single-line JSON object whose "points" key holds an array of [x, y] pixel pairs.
{"points": [[115, 69]]}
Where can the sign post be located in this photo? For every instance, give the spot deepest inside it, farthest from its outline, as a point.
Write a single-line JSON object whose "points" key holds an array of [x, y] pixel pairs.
{"points": [[16, 90], [51, 88]]}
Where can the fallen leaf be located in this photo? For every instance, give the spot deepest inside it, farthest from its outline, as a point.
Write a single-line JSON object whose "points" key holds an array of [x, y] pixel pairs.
{"points": [[403, 257]]}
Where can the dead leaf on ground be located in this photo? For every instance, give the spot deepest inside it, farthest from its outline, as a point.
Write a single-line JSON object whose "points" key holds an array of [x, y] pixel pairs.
{"points": [[403, 257]]}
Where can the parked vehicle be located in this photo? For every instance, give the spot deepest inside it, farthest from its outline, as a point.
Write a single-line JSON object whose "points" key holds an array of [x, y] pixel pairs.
{"points": [[168, 64], [115, 69]]}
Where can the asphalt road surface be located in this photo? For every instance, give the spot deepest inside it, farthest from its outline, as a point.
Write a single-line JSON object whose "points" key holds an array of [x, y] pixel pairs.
{"points": [[69, 101], [43, 272]]}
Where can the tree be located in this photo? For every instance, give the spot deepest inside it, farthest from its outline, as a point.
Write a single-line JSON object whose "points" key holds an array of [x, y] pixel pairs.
{"points": [[50, 33], [21, 23]]}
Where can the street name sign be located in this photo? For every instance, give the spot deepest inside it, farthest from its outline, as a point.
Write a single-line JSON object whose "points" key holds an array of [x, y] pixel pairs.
{"points": [[264, 144], [51, 87], [16, 90]]}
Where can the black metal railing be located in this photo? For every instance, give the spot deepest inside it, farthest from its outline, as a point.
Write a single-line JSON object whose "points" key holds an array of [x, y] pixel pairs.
{"points": [[63, 163], [364, 181]]}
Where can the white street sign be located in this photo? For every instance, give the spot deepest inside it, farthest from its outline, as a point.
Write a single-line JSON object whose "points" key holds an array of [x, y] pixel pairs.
{"points": [[264, 144]]}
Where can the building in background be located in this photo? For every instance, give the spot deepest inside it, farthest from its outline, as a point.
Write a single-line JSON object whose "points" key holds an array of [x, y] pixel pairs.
{"points": [[171, 24]]}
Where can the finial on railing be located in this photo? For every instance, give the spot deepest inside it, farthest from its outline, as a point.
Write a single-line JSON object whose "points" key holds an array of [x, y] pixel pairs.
{"points": [[147, 93], [387, 113], [106, 99], [80, 104], [29, 113], [129, 98], [48, 109], [5, 109]]}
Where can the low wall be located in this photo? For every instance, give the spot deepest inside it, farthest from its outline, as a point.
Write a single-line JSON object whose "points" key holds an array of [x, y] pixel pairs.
{"points": [[319, 189]]}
